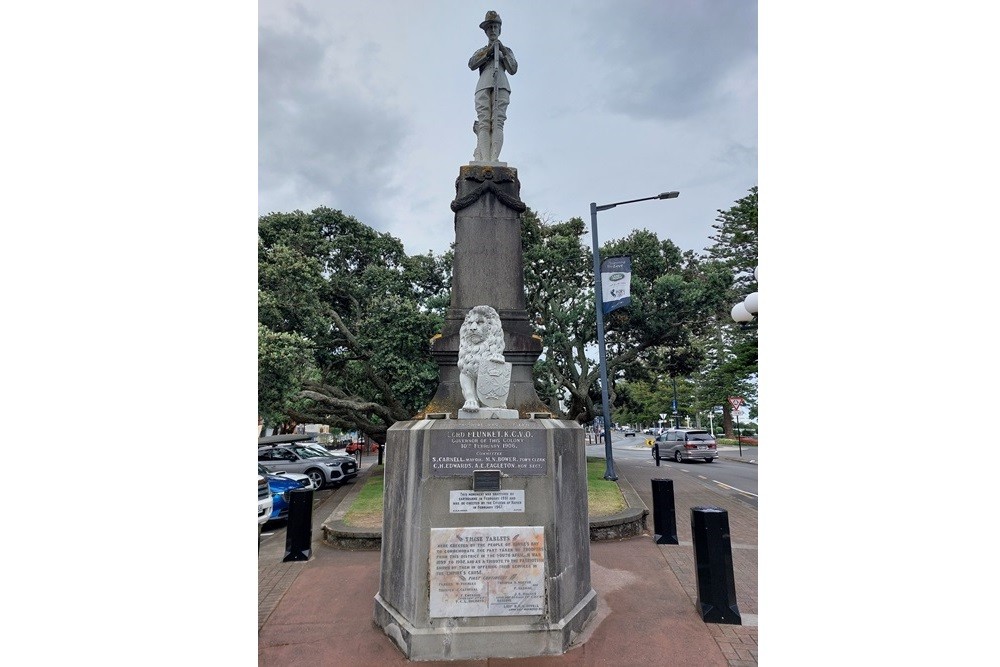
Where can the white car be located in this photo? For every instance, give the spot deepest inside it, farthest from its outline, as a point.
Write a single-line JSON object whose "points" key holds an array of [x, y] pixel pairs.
{"points": [[264, 503]]}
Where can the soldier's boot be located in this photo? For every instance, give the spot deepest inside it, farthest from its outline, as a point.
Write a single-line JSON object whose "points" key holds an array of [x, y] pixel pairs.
{"points": [[482, 153], [496, 144]]}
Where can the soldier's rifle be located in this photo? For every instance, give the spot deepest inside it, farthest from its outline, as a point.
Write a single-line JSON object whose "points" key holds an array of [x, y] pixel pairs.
{"points": [[496, 92]]}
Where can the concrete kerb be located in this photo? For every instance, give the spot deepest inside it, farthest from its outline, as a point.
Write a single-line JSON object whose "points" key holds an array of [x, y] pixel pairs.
{"points": [[627, 523], [338, 534], [731, 453], [728, 452]]}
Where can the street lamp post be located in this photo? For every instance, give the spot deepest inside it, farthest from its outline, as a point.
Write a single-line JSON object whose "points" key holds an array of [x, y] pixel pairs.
{"points": [[609, 472], [676, 415]]}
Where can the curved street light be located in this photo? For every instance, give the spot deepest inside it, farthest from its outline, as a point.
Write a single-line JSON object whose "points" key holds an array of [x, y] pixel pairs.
{"points": [[609, 472]]}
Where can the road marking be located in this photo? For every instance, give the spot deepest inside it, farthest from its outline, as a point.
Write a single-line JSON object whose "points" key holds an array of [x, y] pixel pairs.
{"points": [[703, 477], [733, 488]]}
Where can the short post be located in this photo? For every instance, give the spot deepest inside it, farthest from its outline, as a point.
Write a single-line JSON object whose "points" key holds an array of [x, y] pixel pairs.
{"points": [[713, 557], [298, 535], [664, 519]]}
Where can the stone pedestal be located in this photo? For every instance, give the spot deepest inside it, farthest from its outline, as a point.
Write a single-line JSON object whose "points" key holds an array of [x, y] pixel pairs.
{"points": [[488, 413], [488, 270], [477, 573]]}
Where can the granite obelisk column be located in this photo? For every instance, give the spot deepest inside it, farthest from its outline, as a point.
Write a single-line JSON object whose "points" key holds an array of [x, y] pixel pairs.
{"points": [[488, 268]]}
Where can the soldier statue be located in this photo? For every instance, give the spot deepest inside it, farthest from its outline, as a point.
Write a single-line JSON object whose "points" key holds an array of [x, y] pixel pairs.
{"points": [[494, 61]]}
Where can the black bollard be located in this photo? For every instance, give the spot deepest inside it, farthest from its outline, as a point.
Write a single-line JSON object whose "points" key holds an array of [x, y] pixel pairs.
{"points": [[298, 534], [713, 555], [664, 519]]}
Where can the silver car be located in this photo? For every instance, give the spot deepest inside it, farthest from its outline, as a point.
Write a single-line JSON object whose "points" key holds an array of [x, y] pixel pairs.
{"points": [[685, 444], [322, 467]]}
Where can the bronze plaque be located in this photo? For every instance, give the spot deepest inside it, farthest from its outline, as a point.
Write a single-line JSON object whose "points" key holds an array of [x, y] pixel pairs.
{"points": [[512, 451]]}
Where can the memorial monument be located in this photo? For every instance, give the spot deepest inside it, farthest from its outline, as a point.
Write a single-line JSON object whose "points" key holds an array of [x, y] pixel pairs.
{"points": [[485, 538]]}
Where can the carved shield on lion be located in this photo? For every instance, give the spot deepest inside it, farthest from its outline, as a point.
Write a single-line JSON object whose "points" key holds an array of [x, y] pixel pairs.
{"points": [[493, 384]]}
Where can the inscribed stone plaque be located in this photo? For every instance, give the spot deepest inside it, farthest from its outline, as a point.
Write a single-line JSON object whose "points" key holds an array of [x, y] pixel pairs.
{"points": [[468, 502], [486, 480], [496, 571], [459, 452]]}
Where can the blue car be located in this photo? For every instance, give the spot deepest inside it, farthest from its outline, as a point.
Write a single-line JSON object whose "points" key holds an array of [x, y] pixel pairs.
{"points": [[279, 486]]}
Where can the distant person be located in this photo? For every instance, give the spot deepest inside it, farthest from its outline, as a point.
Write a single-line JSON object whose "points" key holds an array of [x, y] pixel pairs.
{"points": [[492, 90]]}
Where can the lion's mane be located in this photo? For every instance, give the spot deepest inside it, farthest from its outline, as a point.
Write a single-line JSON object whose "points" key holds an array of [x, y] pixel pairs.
{"points": [[471, 355]]}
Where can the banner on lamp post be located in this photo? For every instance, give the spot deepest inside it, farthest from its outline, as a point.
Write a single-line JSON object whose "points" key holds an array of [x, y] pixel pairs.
{"points": [[616, 282]]}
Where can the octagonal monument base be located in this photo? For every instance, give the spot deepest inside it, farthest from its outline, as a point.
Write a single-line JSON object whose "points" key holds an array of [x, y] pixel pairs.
{"points": [[485, 538]]}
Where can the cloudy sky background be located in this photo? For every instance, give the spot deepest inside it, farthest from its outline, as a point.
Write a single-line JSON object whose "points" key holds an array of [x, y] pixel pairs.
{"points": [[368, 108]]}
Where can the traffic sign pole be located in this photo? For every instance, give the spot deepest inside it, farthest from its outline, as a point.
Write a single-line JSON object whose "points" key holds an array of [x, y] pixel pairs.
{"points": [[735, 402], [739, 441]]}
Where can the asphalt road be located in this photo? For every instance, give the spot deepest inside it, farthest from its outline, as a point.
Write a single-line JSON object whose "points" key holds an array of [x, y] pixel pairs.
{"points": [[734, 479]]}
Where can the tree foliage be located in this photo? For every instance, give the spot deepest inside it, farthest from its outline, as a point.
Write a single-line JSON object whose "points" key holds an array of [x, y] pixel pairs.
{"points": [[345, 316], [671, 293], [344, 319], [284, 363], [731, 359], [641, 403], [557, 280]]}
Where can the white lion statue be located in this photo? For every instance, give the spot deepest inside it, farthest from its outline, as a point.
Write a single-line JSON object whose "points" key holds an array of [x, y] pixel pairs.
{"points": [[483, 372]]}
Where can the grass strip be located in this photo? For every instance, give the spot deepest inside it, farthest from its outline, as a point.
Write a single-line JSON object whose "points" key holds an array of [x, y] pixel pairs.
{"points": [[366, 510], [604, 498]]}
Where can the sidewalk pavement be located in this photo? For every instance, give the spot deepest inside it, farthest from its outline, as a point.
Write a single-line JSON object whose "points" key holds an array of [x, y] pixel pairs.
{"points": [[320, 611]]}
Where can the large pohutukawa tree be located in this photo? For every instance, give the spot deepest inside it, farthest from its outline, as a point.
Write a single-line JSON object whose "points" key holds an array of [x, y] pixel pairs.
{"points": [[672, 295], [344, 317]]}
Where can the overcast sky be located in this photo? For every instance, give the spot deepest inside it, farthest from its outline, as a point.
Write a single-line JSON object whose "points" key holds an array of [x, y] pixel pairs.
{"points": [[368, 108]]}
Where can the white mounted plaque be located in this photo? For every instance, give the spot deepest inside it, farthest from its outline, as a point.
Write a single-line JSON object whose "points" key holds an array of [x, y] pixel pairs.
{"points": [[468, 502], [496, 571]]}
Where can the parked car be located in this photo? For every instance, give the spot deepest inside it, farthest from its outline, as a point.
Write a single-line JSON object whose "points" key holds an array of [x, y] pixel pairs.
{"points": [[307, 481], [685, 444], [264, 502], [323, 468], [327, 451], [280, 486]]}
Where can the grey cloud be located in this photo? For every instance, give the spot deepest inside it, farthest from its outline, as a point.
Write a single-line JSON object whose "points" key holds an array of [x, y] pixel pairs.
{"points": [[664, 60], [319, 144], [740, 155]]}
